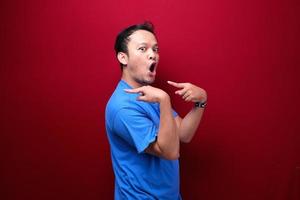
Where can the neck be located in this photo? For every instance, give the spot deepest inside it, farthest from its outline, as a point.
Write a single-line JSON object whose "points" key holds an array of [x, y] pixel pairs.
{"points": [[130, 81]]}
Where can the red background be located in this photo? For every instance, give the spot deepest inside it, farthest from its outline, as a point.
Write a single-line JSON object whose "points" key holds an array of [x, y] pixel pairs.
{"points": [[58, 70]]}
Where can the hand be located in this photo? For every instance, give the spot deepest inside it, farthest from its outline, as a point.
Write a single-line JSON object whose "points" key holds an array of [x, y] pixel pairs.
{"points": [[149, 94], [190, 92]]}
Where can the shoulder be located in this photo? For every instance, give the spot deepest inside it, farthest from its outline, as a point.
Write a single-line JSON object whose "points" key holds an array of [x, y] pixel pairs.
{"points": [[121, 100], [122, 103]]}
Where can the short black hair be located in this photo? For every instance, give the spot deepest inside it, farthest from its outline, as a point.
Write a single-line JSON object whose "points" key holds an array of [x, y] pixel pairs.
{"points": [[123, 37]]}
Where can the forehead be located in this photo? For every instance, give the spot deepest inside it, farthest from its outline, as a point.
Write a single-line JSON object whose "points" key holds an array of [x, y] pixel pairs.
{"points": [[142, 36]]}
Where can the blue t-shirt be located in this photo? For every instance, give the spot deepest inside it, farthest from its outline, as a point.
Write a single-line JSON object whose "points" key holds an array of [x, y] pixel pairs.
{"points": [[131, 126]]}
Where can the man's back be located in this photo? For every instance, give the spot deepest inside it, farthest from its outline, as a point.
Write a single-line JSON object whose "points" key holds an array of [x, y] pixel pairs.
{"points": [[131, 126]]}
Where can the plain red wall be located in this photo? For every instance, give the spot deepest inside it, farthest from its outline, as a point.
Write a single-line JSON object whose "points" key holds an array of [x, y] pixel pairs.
{"points": [[58, 70]]}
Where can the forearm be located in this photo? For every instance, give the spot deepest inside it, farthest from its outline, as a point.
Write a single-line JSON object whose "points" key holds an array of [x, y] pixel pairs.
{"points": [[189, 124], [167, 141], [168, 138]]}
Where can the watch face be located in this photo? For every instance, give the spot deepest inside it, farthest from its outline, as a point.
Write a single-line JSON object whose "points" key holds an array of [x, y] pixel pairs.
{"points": [[201, 105]]}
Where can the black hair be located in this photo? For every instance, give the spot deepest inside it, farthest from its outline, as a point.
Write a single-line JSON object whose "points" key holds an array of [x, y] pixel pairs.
{"points": [[123, 37]]}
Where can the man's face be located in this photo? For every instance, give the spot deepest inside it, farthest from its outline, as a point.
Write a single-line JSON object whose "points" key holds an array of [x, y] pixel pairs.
{"points": [[143, 57]]}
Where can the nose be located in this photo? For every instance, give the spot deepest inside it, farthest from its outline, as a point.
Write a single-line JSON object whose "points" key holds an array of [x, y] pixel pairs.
{"points": [[152, 55]]}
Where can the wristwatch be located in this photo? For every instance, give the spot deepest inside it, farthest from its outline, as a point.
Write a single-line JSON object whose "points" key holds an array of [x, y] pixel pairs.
{"points": [[200, 104]]}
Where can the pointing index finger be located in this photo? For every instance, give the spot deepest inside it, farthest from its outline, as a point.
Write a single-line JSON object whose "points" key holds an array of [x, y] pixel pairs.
{"points": [[178, 85], [136, 90]]}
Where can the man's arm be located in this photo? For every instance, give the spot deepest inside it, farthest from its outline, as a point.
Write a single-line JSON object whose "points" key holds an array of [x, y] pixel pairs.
{"points": [[167, 142], [188, 125]]}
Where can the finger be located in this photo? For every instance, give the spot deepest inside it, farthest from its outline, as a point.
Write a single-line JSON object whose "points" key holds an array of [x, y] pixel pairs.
{"points": [[178, 85], [136, 90], [188, 93], [181, 92], [189, 98]]}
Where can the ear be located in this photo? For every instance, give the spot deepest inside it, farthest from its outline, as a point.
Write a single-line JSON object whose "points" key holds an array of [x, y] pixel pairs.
{"points": [[123, 58]]}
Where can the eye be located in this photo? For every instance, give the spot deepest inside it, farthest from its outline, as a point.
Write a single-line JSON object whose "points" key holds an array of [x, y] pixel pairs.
{"points": [[155, 49], [142, 49]]}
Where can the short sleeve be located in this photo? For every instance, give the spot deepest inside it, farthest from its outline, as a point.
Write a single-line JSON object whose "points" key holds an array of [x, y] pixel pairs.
{"points": [[135, 128]]}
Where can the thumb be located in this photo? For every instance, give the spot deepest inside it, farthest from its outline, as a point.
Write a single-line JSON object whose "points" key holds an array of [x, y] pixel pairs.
{"points": [[141, 98]]}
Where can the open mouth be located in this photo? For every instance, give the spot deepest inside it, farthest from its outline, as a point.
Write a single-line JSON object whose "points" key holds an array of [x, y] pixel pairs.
{"points": [[152, 67]]}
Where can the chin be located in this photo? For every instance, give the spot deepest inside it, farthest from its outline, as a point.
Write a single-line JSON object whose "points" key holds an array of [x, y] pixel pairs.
{"points": [[147, 82], [151, 81]]}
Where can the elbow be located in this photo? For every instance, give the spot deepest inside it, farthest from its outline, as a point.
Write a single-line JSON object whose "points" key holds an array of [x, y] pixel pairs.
{"points": [[173, 154], [172, 157], [186, 139]]}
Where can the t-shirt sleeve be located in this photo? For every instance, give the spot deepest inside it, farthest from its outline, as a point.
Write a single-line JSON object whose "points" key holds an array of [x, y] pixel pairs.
{"points": [[135, 128]]}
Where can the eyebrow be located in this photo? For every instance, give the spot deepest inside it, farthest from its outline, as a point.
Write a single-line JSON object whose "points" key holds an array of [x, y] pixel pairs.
{"points": [[144, 43]]}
